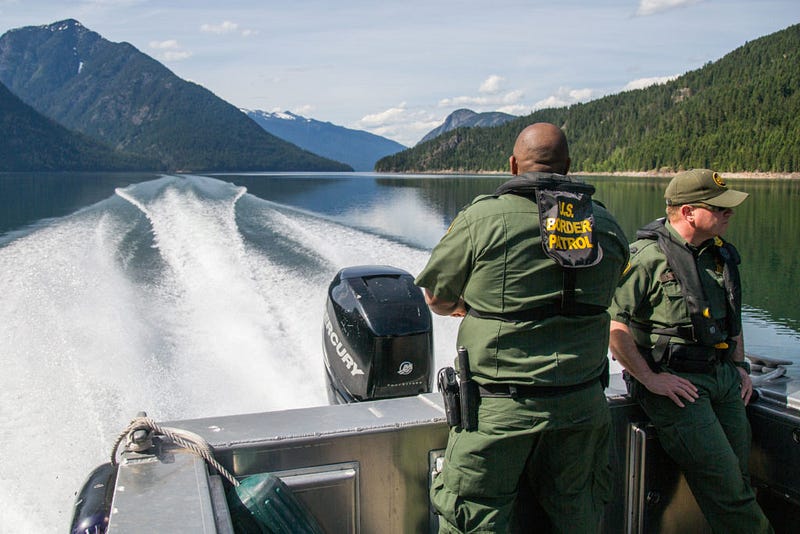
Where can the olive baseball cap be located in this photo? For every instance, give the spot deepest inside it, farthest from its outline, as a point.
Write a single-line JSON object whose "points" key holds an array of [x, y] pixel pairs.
{"points": [[702, 185]]}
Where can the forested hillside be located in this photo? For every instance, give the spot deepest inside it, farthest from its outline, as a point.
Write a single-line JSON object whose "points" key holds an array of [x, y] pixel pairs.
{"points": [[31, 142], [740, 113]]}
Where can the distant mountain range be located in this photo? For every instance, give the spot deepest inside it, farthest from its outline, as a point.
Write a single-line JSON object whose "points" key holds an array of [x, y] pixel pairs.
{"points": [[72, 100], [356, 148], [120, 97], [466, 118]]}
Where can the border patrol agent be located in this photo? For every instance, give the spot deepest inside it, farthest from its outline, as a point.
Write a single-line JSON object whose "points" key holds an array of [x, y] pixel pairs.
{"points": [[676, 329], [537, 337]]}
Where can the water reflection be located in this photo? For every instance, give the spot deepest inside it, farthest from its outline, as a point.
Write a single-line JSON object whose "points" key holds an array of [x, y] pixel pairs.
{"points": [[764, 229], [27, 198]]}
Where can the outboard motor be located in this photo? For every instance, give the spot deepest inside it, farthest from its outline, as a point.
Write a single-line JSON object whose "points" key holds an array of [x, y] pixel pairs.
{"points": [[377, 335]]}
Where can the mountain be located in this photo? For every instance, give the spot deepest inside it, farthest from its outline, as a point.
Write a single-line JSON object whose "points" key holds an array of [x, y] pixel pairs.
{"points": [[117, 95], [32, 142], [739, 113], [357, 148], [466, 118]]}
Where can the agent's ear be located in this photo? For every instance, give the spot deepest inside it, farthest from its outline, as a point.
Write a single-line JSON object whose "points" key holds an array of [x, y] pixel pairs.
{"points": [[512, 163]]}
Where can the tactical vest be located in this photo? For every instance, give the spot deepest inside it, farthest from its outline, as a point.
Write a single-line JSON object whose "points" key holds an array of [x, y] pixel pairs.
{"points": [[566, 222], [704, 330]]}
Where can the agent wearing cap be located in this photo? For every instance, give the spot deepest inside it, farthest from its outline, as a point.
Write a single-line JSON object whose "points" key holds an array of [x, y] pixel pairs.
{"points": [[676, 329]]}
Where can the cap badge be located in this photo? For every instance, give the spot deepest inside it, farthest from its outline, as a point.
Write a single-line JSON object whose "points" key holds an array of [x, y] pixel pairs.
{"points": [[718, 179]]}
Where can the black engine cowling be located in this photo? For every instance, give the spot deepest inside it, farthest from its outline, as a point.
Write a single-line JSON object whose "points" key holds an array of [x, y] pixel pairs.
{"points": [[377, 335]]}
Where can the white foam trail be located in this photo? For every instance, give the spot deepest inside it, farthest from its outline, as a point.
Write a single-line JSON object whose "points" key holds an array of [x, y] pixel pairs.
{"points": [[338, 246], [224, 325], [400, 213], [70, 349], [220, 319]]}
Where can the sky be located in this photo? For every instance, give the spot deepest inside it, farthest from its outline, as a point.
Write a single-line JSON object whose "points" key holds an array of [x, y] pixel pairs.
{"points": [[398, 68]]}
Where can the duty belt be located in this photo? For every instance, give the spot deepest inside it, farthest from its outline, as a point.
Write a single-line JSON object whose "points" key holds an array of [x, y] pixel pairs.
{"points": [[688, 358], [520, 392], [539, 313]]}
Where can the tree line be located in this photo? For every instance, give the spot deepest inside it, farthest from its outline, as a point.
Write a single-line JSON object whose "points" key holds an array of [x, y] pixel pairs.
{"points": [[740, 113]]}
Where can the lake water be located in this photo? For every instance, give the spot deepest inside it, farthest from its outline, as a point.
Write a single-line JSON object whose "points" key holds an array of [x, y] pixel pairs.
{"points": [[195, 296]]}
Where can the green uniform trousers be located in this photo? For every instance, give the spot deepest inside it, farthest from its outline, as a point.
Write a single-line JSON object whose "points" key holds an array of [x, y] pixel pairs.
{"points": [[710, 439], [560, 442]]}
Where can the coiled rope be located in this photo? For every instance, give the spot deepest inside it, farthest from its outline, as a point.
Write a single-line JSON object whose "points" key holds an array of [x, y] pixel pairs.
{"points": [[184, 438]]}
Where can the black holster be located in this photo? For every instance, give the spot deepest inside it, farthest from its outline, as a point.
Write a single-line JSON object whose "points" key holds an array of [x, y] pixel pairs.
{"points": [[468, 392], [632, 385], [448, 385], [461, 396]]}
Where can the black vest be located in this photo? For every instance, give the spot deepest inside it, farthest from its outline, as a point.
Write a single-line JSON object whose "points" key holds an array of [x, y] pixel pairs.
{"points": [[566, 222], [704, 329]]}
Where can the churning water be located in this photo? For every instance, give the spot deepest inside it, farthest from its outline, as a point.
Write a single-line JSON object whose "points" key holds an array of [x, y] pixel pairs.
{"points": [[183, 297]]}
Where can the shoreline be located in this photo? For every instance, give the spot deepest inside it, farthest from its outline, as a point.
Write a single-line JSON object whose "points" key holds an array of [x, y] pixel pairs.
{"points": [[735, 175]]}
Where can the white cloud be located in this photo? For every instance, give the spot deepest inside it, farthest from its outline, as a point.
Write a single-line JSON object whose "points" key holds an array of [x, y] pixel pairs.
{"points": [[581, 95], [384, 117], [169, 50], [461, 101], [305, 110], [641, 83], [515, 109], [565, 97], [408, 126], [490, 98], [176, 55], [512, 97], [492, 84], [227, 27], [491, 101], [170, 44], [404, 125], [650, 7]]}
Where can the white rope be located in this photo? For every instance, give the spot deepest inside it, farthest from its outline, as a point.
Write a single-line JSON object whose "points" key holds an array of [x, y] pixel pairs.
{"points": [[758, 380], [184, 438]]}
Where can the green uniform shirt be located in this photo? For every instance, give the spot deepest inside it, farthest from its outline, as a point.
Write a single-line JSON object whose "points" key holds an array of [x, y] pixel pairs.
{"points": [[650, 295], [492, 256]]}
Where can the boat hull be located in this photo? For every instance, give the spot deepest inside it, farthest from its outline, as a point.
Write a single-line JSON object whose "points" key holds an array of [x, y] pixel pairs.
{"points": [[366, 467]]}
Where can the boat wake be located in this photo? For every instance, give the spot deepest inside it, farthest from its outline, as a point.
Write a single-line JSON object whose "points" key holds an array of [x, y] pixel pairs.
{"points": [[183, 297]]}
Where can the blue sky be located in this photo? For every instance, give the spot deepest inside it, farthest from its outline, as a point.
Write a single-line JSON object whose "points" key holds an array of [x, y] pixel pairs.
{"points": [[398, 68]]}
